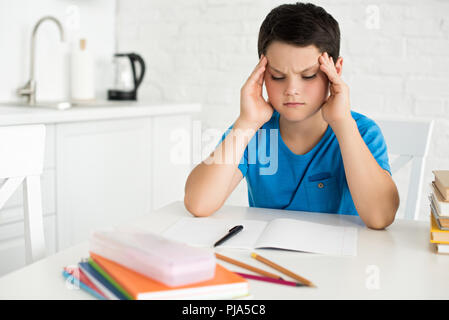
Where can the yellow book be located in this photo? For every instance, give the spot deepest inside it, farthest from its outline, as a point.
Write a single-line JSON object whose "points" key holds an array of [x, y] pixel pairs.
{"points": [[437, 235]]}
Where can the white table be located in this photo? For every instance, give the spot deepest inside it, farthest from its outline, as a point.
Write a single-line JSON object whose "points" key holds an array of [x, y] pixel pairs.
{"points": [[396, 263]]}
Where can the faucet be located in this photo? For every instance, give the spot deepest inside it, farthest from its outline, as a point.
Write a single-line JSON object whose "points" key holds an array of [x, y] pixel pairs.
{"points": [[29, 90]]}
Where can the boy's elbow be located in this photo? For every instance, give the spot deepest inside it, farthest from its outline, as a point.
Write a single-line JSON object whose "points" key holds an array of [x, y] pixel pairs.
{"points": [[384, 217], [378, 225], [380, 222], [197, 209]]}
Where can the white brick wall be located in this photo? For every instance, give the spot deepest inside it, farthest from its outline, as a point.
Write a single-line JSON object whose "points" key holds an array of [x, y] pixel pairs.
{"points": [[93, 20], [204, 50]]}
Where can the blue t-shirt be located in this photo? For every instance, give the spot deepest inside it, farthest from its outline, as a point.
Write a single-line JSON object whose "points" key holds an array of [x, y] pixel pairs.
{"points": [[315, 181]]}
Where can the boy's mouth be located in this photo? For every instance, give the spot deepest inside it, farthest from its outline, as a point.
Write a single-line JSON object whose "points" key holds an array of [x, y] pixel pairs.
{"points": [[293, 104]]}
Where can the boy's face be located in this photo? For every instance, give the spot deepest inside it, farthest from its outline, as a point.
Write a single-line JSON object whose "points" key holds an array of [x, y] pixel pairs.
{"points": [[293, 75]]}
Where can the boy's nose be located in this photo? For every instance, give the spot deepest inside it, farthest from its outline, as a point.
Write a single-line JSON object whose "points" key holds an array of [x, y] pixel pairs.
{"points": [[292, 91], [293, 88]]}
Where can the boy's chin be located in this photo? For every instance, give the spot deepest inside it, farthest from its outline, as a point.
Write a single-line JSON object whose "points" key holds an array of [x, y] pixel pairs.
{"points": [[297, 114]]}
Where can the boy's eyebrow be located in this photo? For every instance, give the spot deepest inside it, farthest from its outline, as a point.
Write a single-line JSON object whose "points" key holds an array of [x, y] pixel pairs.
{"points": [[306, 69]]}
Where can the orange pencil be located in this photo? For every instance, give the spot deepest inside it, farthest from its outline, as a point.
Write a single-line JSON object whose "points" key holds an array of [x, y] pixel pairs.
{"points": [[248, 267], [282, 269]]}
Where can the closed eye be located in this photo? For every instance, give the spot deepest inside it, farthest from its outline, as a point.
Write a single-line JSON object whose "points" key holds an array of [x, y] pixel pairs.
{"points": [[310, 77], [305, 78]]}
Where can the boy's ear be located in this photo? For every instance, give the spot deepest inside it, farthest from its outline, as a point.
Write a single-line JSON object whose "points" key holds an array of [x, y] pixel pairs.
{"points": [[339, 65]]}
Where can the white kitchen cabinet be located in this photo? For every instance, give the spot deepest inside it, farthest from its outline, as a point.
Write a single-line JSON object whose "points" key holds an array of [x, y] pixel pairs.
{"points": [[112, 172], [102, 172], [103, 175]]}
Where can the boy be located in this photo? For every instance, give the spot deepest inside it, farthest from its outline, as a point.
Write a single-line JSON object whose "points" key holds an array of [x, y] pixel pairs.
{"points": [[323, 157]]}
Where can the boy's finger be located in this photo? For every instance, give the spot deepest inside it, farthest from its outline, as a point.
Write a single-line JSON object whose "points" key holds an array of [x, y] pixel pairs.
{"points": [[331, 74], [260, 68], [329, 68], [261, 77], [260, 63]]}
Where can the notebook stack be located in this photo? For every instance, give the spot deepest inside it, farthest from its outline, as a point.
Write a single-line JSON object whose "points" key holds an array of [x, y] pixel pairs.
{"points": [[142, 266], [439, 208]]}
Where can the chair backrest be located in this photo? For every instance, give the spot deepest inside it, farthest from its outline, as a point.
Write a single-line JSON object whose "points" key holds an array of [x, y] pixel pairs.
{"points": [[21, 162], [410, 140]]}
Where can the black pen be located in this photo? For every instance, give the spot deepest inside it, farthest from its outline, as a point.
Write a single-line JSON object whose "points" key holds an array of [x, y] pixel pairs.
{"points": [[233, 231]]}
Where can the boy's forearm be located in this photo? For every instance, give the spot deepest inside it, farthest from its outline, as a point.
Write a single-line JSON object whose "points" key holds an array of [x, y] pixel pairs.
{"points": [[373, 191], [208, 183]]}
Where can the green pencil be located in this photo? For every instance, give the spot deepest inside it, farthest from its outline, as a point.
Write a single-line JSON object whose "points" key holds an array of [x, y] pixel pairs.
{"points": [[109, 278]]}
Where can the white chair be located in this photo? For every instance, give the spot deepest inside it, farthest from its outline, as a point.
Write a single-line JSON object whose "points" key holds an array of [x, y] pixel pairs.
{"points": [[410, 140], [21, 161]]}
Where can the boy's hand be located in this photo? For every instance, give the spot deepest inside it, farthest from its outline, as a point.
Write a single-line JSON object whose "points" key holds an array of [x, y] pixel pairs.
{"points": [[253, 107], [336, 108]]}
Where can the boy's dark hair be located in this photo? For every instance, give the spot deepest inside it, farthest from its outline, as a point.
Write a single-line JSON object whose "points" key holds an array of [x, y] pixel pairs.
{"points": [[300, 24]]}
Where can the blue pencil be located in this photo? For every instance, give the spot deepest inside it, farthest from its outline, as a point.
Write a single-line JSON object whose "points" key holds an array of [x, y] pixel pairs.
{"points": [[86, 288]]}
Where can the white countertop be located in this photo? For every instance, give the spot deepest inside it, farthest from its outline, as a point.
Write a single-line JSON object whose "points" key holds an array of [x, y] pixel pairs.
{"points": [[15, 114]]}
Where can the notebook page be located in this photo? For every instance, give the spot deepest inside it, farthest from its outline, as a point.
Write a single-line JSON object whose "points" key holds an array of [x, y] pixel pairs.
{"points": [[306, 236], [204, 232]]}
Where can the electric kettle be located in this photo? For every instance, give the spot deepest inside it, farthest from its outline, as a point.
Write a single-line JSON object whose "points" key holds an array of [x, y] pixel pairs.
{"points": [[126, 80]]}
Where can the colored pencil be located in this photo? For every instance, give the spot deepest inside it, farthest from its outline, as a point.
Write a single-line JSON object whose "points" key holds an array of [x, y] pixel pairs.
{"points": [[74, 281], [248, 267], [282, 269], [278, 281], [79, 275]]}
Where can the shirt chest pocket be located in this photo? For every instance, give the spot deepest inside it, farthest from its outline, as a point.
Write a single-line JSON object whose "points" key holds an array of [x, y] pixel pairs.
{"points": [[323, 194]]}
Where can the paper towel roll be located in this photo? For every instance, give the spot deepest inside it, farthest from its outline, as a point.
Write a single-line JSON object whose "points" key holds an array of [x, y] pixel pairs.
{"points": [[82, 74]]}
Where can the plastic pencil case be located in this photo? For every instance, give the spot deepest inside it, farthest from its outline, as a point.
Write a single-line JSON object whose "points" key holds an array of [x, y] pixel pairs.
{"points": [[169, 262]]}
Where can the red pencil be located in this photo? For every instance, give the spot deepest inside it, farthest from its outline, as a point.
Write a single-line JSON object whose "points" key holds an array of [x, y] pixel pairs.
{"points": [[79, 275], [278, 281]]}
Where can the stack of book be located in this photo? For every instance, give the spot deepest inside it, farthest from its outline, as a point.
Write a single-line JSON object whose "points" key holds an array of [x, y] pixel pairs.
{"points": [[439, 208], [125, 266]]}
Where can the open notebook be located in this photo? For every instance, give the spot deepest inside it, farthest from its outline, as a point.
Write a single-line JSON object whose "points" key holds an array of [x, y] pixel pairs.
{"points": [[288, 234]]}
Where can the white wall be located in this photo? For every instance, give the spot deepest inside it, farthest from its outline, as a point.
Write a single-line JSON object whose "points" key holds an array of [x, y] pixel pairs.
{"points": [[94, 20], [203, 50]]}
